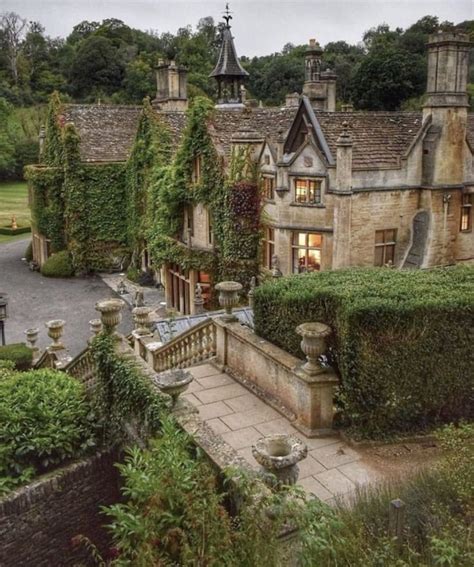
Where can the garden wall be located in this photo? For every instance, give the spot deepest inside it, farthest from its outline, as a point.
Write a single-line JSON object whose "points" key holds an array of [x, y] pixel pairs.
{"points": [[38, 522], [402, 341]]}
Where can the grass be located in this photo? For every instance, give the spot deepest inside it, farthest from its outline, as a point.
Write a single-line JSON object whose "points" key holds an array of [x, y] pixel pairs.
{"points": [[14, 201]]}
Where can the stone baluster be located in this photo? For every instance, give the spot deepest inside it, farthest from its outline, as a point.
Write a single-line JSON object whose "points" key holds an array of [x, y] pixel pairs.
{"points": [[229, 298], [110, 314]]}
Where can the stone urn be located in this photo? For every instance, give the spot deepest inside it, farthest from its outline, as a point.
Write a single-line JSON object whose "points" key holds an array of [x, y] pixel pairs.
{"points": [[32, 337], [110, 314], [173, 383], [141, 318], [95, 327], [228, 298], [279, 456], [313, 344], [55, 332]]}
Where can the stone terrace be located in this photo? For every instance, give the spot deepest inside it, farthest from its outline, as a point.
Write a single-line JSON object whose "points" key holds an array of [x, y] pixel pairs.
{"points": [[332, 468]]}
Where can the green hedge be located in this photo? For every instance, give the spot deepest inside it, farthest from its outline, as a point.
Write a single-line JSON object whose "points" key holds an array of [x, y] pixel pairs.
{"points": [[402, 340], [13, 231], [19, 354], [44, 420], [58, 265]]}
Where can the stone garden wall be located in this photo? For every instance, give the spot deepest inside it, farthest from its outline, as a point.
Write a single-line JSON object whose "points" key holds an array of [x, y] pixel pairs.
{"points": [[38, 522]]}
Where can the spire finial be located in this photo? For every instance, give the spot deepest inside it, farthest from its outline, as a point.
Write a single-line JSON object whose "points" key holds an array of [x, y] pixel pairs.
{"points": [[227, 15]]}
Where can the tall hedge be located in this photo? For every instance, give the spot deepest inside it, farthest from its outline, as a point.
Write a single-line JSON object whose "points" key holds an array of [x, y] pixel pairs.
{"points": [[402, 343]]}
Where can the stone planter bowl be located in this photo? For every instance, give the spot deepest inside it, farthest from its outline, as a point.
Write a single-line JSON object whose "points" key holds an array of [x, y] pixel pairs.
{"points": [[278, 455], [173, 383]]}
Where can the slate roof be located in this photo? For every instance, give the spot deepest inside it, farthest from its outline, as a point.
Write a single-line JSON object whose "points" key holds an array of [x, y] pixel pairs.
{"points": [[228, 63], [380, 139], [107, 131]]}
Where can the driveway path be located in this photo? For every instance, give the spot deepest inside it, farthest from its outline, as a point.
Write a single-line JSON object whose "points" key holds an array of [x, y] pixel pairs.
{"points": [[34, 299]]}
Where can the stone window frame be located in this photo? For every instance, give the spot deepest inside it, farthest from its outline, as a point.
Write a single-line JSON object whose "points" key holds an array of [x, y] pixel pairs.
{"points": [[465, 223], [385, 243], [268, 246], [318, 190], [197, 168], [268, 192], [297, 246], [210, 231]]}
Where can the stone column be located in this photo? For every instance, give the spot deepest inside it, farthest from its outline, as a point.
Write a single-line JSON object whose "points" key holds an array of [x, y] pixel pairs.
{"points": [[318, 382]]}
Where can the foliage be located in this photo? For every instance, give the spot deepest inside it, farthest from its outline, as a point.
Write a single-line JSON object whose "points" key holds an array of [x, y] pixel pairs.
{"points": [[123, 394], [7, 367], [58, 265], [47, 207], [18, 353], [401, 342], [175, 514], [44, 421]]}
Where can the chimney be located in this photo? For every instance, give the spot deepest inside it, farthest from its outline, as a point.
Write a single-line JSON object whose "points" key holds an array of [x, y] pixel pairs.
{"points": [[446, 106], [292, 100], [171, 87], [319, 86], [344, 160]]}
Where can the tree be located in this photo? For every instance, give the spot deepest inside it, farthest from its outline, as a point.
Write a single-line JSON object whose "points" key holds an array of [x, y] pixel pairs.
{"points": [[7, 147], [12, 28]]}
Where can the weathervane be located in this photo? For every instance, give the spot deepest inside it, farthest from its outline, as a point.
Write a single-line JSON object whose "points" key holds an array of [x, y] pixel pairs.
{"points": [[227, 14]]}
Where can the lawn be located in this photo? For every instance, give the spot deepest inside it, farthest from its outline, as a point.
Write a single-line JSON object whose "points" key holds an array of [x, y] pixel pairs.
{"points": [[14, 201]]}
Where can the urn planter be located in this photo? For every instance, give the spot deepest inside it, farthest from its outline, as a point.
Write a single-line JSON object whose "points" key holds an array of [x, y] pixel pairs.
{"points": [[141, 319], [173, 383], [229, 298], [313, 344], [110, 314], [32, 337], [55, 332], [279, 456], [95, 327]]}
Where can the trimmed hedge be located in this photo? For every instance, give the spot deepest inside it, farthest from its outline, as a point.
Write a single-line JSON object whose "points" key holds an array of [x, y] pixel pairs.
{"points": [[58, 265], [19, 354], [8, 231], [402, 341]]}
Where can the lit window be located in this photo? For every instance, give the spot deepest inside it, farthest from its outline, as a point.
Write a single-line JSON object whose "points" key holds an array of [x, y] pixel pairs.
{"points": [[269, 187], [466, 213], [268, 247], [308, 191], [197, 169], [205, 281], [385, 241], [306, 252]]}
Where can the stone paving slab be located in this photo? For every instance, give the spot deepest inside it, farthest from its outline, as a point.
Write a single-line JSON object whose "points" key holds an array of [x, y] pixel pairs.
{"points": [[331, 469]]}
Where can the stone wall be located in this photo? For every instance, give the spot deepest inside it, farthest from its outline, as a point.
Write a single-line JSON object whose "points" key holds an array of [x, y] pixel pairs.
{"points": [[39, 521]]}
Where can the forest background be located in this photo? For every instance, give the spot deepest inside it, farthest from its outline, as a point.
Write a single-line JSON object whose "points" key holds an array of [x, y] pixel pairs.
{"points": [[109, 62]]}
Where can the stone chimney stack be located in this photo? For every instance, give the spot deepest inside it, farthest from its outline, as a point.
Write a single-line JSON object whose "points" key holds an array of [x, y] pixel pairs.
{"points": [[171, 87], [344, 160], [319, 86], [446, 106]]}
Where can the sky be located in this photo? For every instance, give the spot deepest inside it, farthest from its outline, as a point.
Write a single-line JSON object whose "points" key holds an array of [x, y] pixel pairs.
{"points": [[259, 26]]}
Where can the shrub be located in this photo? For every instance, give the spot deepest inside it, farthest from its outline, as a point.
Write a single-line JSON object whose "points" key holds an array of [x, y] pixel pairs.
{"points": [[29, 252], [7, 368], [402, 340], [44, 420], [19, 354], [58, 265]]}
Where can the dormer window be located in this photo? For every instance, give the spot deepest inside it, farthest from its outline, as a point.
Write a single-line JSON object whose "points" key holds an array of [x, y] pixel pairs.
{"points": [[308, 191], [269, 187], [197, 169]]}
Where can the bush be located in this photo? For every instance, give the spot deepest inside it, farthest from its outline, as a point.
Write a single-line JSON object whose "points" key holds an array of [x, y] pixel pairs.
{"points": [[19, 354], [402, 340], [44, 420], [7, 368], [58, 265], [8, 231], [29, 252]]}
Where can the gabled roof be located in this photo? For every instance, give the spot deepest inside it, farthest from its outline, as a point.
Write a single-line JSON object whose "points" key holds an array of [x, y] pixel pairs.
{"points": [[106, 131], [228, 64], [380, 139]]}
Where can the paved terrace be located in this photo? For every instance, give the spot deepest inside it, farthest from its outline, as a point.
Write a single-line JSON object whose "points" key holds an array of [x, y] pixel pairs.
{"points": [[241, 418]]}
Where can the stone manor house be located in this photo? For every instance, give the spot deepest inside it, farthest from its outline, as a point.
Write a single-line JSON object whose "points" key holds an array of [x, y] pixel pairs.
{"points": [[339, 188]]}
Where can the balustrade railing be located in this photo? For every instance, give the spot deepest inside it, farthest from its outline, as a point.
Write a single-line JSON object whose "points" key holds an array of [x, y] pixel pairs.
{"points": [[194, 346], [83, 368]]}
